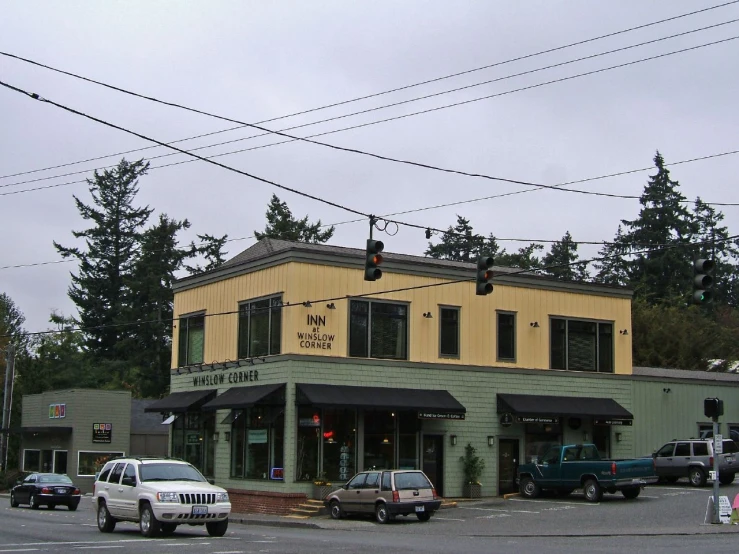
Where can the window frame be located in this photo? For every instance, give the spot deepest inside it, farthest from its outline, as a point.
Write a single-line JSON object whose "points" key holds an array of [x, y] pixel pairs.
{"points": [[498, 357], [248, 348], [597, 357], [23, 465], [180, 319], [457, 309], [370, 303]]}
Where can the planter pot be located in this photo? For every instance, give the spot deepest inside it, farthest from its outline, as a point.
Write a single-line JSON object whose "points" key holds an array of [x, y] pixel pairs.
{"points": [[472, 490], [322, 491]]}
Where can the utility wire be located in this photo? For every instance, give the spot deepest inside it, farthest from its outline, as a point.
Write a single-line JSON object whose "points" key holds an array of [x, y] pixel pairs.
{"points": [[496, 64], [244, 173], [391, 291], [292, 138]]}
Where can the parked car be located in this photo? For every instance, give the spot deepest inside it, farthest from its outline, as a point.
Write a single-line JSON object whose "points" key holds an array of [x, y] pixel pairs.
{"points": [[566, 468], [159, 494], [45, 489], [693, 458], [385, 494]]}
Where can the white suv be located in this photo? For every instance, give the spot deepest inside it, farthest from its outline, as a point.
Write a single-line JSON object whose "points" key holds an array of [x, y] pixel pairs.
{"points": [[159, 494]]}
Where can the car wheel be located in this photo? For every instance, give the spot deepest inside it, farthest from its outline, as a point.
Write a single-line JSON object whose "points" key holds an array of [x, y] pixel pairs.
{"points": [[726, 478], [529, 488], [73, 506], [217, 528], [13, 501], [423, 516], [106, 522], [696, 477], [148, 524], [381, 513], [33, 502], [335, 510], [631, 492], [592, 490], [168, 529]]}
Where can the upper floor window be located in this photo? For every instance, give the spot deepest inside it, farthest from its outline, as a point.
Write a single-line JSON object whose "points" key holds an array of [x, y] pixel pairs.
{"points": [[192, 340], [260, 327], [378, 330], [581, 345], [449, 332], [506, 336]]}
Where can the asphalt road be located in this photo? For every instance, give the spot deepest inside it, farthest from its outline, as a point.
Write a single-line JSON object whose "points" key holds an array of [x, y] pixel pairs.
{"points": [[664, 518]]}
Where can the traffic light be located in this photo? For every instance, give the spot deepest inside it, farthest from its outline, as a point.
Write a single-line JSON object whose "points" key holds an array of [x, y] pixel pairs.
{"points": [[703, 281], [373, 259], [484, 274], [713, 407]]}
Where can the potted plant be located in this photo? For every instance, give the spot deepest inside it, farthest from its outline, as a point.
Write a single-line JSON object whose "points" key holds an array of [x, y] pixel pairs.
{"points": [[472, 467], [321, 486]]}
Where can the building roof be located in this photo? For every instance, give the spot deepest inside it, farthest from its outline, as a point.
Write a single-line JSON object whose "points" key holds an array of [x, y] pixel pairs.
{"points": [[143, 423], [269, 252], [685, 374]]}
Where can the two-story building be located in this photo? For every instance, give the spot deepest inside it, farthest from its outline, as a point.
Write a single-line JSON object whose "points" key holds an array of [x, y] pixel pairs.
{"points": [[288, 365]]}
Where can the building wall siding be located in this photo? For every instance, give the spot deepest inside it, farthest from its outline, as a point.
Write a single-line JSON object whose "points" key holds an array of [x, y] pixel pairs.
{"points": [[299, 282]]}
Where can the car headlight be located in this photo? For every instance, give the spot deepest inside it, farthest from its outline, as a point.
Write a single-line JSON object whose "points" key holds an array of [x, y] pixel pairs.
{"points": [[168, 497], [221, 497]]}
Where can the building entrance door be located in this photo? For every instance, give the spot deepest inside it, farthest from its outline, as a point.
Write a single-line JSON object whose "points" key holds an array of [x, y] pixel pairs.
{"points": [[508, 455], [60, 461], [433, 461]]}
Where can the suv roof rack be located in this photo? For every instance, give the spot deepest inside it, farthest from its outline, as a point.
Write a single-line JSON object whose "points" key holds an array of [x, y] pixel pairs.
{"points": [[144, 458]]}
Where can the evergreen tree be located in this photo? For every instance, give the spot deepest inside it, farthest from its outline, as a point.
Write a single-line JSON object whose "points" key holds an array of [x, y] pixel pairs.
{"points": [[101, 289], [612, 268], [211, 248], [561, 260], [461, 244], [524, 258], [282, 225], [148, 345]]}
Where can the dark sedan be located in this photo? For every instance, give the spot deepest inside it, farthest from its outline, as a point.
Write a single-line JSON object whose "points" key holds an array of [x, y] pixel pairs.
{"points": [[48, 489]]}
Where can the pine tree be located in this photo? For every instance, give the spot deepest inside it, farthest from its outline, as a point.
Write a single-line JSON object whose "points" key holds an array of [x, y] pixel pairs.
{"points": [[612, 267], [461, 244], [101, 289], [524, 258], [210, 248], [561, 260], [282, 225]]}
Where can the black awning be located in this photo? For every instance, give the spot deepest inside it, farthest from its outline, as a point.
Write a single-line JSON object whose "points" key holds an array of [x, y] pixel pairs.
{"points": [[47, 430], [532, 405], [180, 402], [330, 396], [243, 397]]}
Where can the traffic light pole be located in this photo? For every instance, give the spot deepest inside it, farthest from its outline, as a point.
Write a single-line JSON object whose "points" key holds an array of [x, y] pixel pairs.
{"points": [[716, 516]]}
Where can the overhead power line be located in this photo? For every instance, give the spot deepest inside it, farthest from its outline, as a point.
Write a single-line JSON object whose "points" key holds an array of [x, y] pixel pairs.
{"points": [[229, 168], [308, 139], [433, 80], [392, 291]]}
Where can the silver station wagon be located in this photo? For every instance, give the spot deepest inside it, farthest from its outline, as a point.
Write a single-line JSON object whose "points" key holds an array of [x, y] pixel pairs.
{"points": [[385, 494]]}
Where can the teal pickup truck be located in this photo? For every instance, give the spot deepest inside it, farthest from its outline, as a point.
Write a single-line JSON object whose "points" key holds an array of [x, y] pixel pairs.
{"points": [[566, 468]]}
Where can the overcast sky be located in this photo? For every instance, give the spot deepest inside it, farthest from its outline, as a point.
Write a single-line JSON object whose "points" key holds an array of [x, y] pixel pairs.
{"points": [[254, 61]]}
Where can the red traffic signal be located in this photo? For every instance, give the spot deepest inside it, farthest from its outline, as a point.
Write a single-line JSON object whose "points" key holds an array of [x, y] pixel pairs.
{"points": [[484, 275], [373, 259]]}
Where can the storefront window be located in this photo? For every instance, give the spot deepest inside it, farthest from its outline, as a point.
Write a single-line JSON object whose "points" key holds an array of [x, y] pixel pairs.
{"points": [[309, 437], [379, 440], [90, 463], [339, 444], [408, 427], [31, 460], [540, 437], [192, 440], [257, 437]]}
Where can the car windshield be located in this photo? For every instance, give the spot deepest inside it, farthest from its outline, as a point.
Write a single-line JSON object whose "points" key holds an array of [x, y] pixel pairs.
{"points": [[406, 481], [54, 479], [169, 472]]}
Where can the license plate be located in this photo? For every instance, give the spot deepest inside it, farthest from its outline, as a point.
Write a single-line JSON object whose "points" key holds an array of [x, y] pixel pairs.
{"points": [[199, 510], [730, 458], [420, 508], [61, 491]]}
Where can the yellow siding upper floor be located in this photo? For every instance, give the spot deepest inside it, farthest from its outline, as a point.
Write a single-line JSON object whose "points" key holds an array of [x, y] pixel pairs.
{"points": [[299, 282]]}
